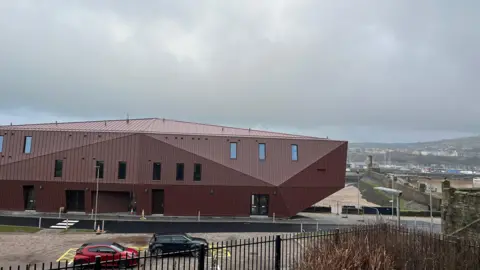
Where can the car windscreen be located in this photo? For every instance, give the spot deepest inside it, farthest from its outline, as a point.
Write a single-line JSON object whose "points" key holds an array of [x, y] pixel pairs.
{"points": [[118, 247]]}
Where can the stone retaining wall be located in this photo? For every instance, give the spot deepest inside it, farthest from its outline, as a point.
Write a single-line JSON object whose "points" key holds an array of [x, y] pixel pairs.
{"points": [[408, 193]]}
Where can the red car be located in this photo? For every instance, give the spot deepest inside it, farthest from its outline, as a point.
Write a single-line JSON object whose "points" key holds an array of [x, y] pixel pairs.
{"points": [[111, 254]]}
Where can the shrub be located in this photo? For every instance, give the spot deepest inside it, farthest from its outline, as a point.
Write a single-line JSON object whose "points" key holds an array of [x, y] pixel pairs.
{"points": [[383, 246]]}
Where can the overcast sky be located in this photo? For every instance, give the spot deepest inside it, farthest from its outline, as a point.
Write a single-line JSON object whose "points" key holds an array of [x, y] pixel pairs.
{"points": [[386, 71]]}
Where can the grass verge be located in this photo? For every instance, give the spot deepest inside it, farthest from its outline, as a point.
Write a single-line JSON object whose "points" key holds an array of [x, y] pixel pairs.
{"points": [[8, 228]]}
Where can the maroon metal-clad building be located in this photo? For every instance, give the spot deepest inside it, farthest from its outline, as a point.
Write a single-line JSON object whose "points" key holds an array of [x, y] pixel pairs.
{"points": [[165, 167]]}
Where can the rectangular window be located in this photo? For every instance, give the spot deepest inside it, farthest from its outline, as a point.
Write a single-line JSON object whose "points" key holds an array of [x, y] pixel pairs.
{"points": [[1, 144], [58, 168], [261, 151], [294, 152], [99, 167], [180, 169], [122, 170], [233, 150], [197, 172], [27, 145], [157, 171]]}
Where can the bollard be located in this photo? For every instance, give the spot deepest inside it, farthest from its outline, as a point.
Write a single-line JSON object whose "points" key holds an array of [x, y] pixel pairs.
{"points": [[98, 265], [201, 257], [273, 217], [198, 217], [40, 222], [103, 225]]}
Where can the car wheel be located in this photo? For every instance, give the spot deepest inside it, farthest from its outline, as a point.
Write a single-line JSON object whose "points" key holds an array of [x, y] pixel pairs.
{"points": [[195, 253], [80, 265], [157, 252], [122, 265]]}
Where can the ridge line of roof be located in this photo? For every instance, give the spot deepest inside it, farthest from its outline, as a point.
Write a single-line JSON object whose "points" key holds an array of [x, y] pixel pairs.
{"points": [[184, 134], [154, 119], [79, 122]]}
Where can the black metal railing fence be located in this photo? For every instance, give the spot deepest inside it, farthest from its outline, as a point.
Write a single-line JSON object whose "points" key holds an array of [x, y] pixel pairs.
{"points": [[412, 248]]}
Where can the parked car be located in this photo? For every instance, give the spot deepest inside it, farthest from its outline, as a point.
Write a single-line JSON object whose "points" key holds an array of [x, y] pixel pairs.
{"points": [[182, 243], [111, 255]]}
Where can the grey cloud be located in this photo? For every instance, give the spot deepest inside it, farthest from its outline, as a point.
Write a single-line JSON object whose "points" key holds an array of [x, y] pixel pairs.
{"points": [[304, 65]]}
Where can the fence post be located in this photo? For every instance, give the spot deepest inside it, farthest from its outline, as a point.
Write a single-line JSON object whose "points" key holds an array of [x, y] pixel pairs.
{"points": [[201, 257], [337, 236], [278, 252], [97, 266]]}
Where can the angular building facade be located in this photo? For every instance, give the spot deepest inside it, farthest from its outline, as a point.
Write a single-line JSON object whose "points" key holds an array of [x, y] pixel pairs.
{"points": [[165, 167]]}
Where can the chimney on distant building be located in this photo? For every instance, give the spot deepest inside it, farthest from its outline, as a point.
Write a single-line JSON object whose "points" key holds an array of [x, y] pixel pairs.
{"points": [[370, 162]]}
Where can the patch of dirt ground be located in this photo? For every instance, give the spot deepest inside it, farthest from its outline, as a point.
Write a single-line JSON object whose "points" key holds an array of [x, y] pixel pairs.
{"points": [[42, 247]]}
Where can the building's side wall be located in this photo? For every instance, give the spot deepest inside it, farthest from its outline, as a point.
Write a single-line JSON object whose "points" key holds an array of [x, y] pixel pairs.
{"points": [[278, 166], [316, 182], [223, 190]]}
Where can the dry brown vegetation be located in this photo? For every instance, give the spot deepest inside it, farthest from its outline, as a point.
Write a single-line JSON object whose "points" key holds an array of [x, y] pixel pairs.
{"points": [[376, 247]]}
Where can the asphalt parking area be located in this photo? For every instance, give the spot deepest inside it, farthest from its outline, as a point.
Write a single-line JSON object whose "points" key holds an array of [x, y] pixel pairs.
{"points": [[37, 248]]}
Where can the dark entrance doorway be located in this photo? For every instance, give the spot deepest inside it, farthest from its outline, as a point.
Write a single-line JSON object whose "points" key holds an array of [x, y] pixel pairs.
{"points": [[158, 196], [259, 205], [29, 197], [75, 200]]}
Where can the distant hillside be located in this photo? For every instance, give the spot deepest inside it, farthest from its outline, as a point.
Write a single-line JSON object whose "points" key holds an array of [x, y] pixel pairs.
{"points": [[465, 142]]}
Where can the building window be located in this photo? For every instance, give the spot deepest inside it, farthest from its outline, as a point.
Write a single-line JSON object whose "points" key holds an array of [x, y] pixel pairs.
{"points": [[294, 152], [122, 170], [233, 150], [180, 169], [27, 145], [157, 171], [1, 144], [99, 167], [261, 151], [58, 168], [197, 172]]}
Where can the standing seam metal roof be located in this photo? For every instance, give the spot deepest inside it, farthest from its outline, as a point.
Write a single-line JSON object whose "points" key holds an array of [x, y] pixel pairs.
{"points": [[152, 125]]}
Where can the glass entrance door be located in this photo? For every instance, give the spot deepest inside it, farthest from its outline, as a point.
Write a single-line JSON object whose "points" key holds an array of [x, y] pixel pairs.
{"points": [[259, 205]]}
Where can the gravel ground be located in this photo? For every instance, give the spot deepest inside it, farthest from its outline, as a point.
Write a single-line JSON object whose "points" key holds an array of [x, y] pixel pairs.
{"points": [[46, 246]]}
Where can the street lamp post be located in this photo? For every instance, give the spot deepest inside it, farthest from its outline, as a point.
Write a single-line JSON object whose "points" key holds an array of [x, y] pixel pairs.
{"points": [[392, 201], [431, 209], [397, 193], [358, 195], [97, 171], [393, 186]]}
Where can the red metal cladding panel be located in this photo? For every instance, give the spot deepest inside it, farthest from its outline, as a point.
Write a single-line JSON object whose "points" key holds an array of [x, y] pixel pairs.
{"points": [[298, 199], [218, 201], [111, 201], [152, 150], [45, 142], [329, 171], [275, 169], [78, 163]]}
